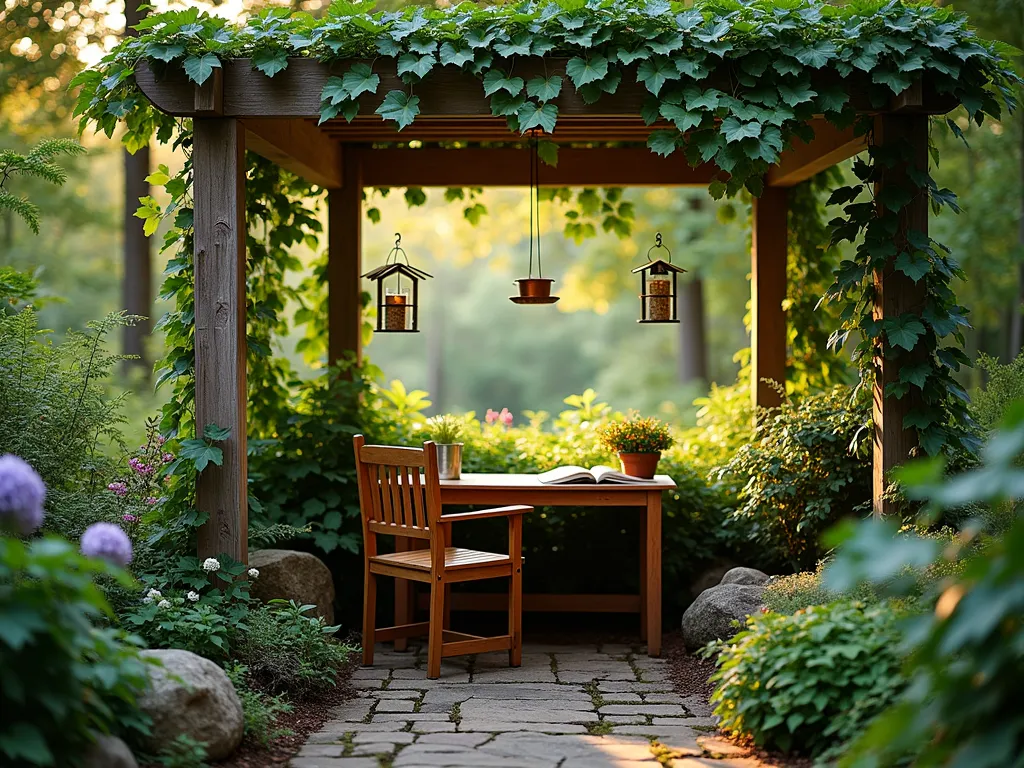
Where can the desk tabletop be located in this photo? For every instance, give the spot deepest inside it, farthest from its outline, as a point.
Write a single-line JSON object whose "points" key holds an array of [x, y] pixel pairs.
{"points": [[501, 481]]}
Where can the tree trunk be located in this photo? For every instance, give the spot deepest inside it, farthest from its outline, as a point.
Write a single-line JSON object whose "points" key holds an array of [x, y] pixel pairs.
{"points": [[693, 348], [1016, 318], [137, 286]]}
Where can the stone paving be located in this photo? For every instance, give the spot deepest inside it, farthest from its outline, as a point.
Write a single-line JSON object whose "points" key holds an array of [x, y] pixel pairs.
{"points": [[565, 707]]}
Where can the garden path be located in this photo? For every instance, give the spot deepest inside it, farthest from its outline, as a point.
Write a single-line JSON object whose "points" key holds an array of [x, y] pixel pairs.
{"points": [[578, 706]]}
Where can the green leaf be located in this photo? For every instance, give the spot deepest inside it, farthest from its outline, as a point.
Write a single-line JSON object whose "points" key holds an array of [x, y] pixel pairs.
{"points": [[796, 94], [696, 99], [400, 107], [496, 80], [456, 56], [518, 45], [215, 433], [629, 56], [734, 130], [164, 52], [200, 454], [683, 118], [815, 56], [411, 63], [199, 68], [654, 73], [663, 142], [582, 71], [897, 81], [360, 79], [533, 115], [547, 151], [334, 91], [832, 98], [903, 331], [270, 62], [544, 89], [504, 104], [914, 264]]}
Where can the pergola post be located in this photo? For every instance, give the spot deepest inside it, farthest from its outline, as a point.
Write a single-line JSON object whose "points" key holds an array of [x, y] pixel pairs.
{"points": [[344, 256], [767, 294], [895, 293], [218, 162]]}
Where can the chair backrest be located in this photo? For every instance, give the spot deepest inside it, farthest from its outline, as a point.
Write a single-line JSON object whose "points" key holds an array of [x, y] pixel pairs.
{"points": [[393, 498]]}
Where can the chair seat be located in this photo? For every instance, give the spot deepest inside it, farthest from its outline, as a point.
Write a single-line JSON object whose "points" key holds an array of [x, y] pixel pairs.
{"points": [[454, 558]]}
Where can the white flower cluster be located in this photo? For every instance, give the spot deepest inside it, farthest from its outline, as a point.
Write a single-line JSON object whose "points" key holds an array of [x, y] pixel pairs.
{"points": [[253, 573], [163, 604], [211, 564], [153, 594], [193, 596]]}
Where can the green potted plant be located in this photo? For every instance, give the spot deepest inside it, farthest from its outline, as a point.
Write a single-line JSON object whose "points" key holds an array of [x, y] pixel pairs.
{"points": [[446, 431], [638, 441]]}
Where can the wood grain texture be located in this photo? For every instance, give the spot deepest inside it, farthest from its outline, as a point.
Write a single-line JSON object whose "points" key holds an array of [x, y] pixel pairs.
{"points": [[542, 603], [298, 146], [218, 158], [895, 293], [652, 563], [209, 97], [803, 160], [344, 259], [767, 293]]}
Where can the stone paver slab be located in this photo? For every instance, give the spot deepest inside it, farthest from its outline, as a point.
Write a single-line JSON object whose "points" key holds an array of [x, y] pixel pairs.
{"points": [[334, 762], [664, 710]]}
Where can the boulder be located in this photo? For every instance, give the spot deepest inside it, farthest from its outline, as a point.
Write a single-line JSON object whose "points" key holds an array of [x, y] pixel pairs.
{"points": [[292, 575], [191, 695], [710, 577], [748, 576], [109, 752], [710, 616]]}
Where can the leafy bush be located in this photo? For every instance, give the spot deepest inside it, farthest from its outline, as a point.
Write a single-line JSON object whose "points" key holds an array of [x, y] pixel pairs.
{"points": [[259, 709], [61, 677], [288, 651], [792, 593], [1005, 385], [808, 467], [967, 655], [810, 681]]}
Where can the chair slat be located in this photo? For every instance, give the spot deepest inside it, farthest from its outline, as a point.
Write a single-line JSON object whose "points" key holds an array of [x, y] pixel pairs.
{"points": [[417, 501], [384, 474], [373, 488], [392, 455], [405, 477]]}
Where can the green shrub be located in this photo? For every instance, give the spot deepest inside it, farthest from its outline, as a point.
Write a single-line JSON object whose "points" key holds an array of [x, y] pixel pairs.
{"points": [[807, 467], [288, 651], [966, 656], [61, 677], [1004, 386], [810, 681], [259, 709]]}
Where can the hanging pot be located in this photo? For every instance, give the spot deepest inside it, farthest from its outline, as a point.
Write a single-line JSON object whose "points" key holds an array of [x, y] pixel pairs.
{"points": [[535, 287]]}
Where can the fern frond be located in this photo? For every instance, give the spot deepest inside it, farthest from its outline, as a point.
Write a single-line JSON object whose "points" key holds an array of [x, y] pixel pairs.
{"points": [[47, 149], [21, 206]]}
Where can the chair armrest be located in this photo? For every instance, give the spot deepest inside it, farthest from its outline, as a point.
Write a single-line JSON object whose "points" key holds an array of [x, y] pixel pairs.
{"points": [[482, 514]]}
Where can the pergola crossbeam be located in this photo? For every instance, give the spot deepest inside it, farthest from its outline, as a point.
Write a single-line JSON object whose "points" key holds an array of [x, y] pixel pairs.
{"points": [[297, 146]]}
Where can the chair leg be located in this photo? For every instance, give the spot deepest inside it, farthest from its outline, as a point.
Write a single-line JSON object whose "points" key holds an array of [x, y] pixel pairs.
{"points": [[436, 638], [369, 615], [515, 591]]}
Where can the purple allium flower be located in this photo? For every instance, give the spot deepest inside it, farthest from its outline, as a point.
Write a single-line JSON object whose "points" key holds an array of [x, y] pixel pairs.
{"points": [[119, 488], [128, 517], [22, 492], [108, 541]]}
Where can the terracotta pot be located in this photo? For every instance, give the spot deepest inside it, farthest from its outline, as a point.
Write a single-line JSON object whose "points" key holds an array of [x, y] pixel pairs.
{"points": [[535, 287], [640, 464]]}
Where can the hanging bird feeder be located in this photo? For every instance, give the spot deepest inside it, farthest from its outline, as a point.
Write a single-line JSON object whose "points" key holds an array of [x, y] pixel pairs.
{"points": [[397, 301], [658, 287]]}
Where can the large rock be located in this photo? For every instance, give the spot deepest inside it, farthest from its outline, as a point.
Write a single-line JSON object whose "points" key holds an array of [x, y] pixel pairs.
{"points": [[292, 575], [710, 577], [191, 695], [109, 752], [710, 616], [748, 576]]}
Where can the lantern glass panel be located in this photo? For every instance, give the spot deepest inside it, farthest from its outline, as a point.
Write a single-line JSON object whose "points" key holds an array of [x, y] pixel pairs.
{"points": [[397, 310]]}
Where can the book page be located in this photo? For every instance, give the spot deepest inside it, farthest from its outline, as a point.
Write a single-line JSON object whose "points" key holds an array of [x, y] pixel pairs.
{"points": [[603, 474], [564, 475]]}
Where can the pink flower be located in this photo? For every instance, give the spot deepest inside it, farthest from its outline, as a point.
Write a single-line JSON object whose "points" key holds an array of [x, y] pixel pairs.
{"points": [[139, 466], [119, 488], [168, 458], [151, 500], [160, 440], [505, 417], [129, 518], [492, 416]]}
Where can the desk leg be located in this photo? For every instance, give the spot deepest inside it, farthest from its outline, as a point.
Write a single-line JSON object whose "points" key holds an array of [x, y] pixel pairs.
{"points": [[653, 575], [403, 596], [643, 575]]}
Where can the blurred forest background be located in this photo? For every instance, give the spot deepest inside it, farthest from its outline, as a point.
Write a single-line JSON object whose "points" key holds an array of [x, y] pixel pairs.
{"points": [[478, 350]]}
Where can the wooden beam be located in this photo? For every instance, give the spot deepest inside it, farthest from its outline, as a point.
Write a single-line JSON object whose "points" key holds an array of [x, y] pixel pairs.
{"points": [[218, 161], [830, 145], [767, 293], [570, 129], [344, 257], [510, 167], [297, 146], [448, 91], [895, 293], [209, 97]]}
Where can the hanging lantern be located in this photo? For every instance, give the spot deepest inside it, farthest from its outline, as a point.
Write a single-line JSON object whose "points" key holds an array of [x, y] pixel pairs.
{"points": [[397, 301], [534, 290], [658, 287]]}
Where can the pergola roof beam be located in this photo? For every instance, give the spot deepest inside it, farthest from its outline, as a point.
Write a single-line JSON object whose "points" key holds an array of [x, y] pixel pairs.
{"points": [[298, 146]]}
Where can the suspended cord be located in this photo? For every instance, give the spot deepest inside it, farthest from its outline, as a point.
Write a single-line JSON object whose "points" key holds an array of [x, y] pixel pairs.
{"points": [[536, 176], [530, 274]]}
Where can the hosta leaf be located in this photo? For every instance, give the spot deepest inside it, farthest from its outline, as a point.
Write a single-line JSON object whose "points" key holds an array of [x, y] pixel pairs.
{"points": [[400, 107], [496, 80], [544, 88], [360, 79], [654, 73], [199, 68], [456, 56], [270, 62], [533, 115], [583, 71]]}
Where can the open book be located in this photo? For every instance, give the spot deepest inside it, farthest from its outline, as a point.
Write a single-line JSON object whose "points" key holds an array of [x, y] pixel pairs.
{"points": [[598, 474]]}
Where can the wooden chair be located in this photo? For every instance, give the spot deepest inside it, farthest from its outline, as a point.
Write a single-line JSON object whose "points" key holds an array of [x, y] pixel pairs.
{"points": [[395, 500]]}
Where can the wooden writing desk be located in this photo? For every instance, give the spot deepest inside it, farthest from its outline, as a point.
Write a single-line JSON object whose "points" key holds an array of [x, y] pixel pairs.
{"points": [[503, 489]]}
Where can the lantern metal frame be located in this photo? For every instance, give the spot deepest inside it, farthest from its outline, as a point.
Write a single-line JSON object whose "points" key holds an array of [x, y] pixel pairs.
{"points": [[393, 267], [659, 267]]}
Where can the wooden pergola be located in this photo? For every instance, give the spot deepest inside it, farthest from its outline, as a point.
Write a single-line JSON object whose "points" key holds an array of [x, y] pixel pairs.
{"points": [[239, 108]]}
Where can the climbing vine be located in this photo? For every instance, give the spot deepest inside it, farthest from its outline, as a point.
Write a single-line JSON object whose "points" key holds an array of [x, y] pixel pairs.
{"points": [[728, 82]]}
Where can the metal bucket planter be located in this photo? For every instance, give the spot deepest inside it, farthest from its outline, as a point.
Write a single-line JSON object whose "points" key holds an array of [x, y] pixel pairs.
{"points": [[449, 460]]}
